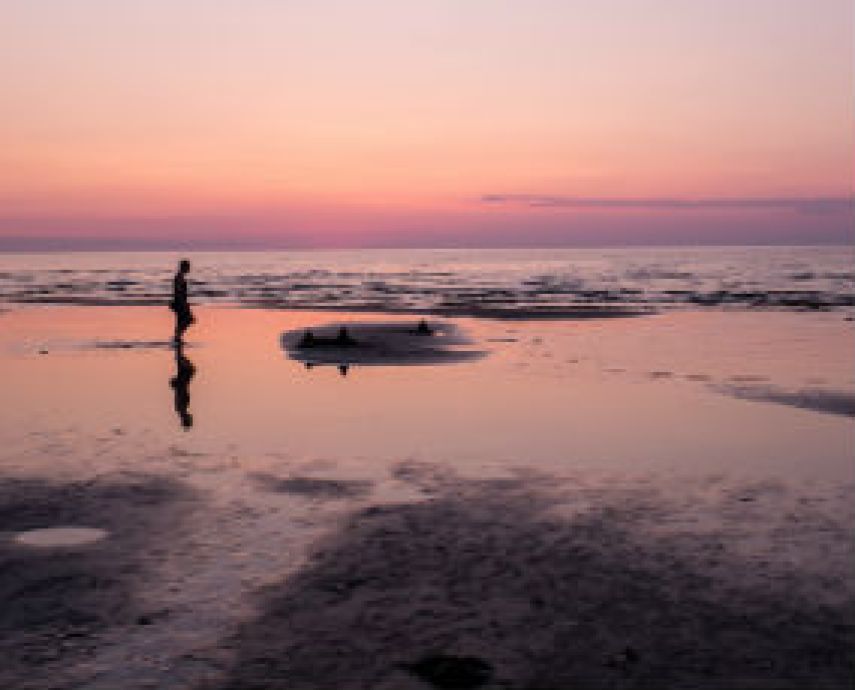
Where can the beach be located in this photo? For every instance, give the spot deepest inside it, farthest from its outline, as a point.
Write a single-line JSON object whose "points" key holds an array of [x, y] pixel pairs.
{"points": [[427, 345], [663, 500]]}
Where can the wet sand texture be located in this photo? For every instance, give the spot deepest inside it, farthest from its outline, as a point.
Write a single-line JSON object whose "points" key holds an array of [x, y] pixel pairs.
{"points": [[381, 344], [312, 487], [134, 345], [56, 602], [484, 585], [816, 399]]}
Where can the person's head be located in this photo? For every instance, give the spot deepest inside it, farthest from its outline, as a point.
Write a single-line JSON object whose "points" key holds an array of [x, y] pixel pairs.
{"points": [[184, 266]]}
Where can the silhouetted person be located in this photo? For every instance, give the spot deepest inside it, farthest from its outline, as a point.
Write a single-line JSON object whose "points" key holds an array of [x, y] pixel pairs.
{"points": [[180, 383], [179, 304]]}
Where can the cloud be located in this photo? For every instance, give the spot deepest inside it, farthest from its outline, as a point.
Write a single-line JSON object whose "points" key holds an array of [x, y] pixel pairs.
{"points": [[798, 204]]}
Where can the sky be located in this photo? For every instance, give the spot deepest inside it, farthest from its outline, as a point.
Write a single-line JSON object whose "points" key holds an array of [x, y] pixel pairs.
{"points": [[363, 123]]}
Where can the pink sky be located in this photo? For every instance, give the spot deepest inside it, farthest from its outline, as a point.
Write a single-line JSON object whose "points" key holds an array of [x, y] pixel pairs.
{"points": [[436, 123]]}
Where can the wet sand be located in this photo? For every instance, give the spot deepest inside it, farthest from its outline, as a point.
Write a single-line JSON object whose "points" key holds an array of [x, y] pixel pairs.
{"points": [[830, 402], [580, 508], [552, 583]]}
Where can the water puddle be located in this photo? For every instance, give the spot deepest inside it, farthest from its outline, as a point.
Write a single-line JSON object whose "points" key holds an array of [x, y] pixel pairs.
{"points": [[49, 537]]}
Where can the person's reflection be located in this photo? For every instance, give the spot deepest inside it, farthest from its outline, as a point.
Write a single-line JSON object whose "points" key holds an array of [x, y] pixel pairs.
{"points": [[180, 383]]}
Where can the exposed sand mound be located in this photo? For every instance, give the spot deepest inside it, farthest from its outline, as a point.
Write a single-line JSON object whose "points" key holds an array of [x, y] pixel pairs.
{"points": [[379, 344]]}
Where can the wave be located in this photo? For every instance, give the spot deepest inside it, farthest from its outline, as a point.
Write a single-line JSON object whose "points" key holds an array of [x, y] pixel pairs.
{"points": [[506, 284]]}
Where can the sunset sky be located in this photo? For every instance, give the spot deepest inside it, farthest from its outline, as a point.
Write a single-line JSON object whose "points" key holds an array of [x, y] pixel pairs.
{"points": [[321, 123]]}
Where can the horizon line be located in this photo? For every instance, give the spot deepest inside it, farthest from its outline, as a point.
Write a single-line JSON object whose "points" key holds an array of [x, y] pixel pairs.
{"points": [[215, 249]]}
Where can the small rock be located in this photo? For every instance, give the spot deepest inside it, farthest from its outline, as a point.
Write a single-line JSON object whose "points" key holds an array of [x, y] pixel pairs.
{"points": [[452, 672], [623, 661]]}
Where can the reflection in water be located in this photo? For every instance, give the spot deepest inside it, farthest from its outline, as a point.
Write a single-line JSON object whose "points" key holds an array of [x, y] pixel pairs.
{"points": [[184, 373], [342, 368]]}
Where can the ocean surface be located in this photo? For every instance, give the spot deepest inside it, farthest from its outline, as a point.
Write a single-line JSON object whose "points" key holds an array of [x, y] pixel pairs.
{"points": [[507, 281]]}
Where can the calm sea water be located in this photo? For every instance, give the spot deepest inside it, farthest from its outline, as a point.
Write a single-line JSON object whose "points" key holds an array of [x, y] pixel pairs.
{"points": [[517, 281]]}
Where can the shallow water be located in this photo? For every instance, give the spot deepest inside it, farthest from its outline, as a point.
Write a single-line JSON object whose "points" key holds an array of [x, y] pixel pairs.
{"points": [[451, 281], [60, 537], [626, 394]]}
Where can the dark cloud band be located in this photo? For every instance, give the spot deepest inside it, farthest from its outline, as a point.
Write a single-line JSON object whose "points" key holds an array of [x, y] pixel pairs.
{"points": [[817, 204]]}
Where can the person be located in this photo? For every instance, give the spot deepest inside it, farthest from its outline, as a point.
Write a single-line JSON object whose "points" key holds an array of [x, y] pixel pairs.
{"points": [[179, 304], [180, 383]]}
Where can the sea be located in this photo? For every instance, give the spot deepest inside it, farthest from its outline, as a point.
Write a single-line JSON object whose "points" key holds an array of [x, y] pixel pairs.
{"points": [[512, 282]]}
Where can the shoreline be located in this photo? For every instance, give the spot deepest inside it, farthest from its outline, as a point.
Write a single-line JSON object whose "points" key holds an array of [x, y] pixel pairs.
{"points": [[545, 313]]}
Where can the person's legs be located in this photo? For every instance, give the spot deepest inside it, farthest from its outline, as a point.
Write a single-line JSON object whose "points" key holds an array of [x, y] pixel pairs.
{"points": [[183, 319]]}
